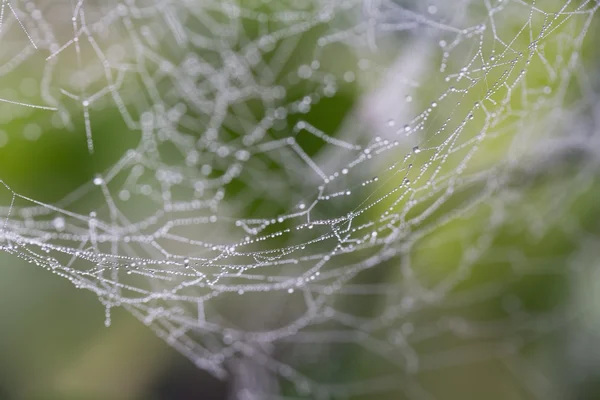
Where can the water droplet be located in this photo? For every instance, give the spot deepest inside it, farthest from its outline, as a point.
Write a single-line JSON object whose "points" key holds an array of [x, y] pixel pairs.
{"points": [[58, 223]]}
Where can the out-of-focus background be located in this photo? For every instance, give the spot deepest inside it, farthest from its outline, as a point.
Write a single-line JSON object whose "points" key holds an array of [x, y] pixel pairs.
{"points": [[383, 63]]}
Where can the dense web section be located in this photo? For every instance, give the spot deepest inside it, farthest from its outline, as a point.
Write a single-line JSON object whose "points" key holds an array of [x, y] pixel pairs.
{"points": [[294, 181]]}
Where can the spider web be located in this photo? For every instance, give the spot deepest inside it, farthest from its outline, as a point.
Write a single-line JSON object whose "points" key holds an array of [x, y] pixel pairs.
{"points": [[278, 183]]}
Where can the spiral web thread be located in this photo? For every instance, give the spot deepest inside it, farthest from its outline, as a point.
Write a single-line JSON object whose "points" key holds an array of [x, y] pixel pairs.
{"points": [[244, 225]]}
